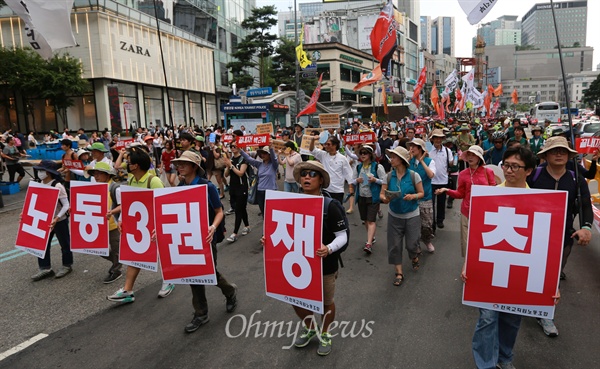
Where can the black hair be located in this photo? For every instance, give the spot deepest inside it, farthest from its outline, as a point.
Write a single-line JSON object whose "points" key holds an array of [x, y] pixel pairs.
{"points": [[291, 145], [137, 155], [238, 132], [523, 153], [67, 142], [335, 142], [186, 136]]}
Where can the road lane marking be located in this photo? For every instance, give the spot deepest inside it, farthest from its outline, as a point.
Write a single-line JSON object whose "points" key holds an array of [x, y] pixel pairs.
{"points": [[12, 256], [9, 252], [23, 345], [6, 256]]}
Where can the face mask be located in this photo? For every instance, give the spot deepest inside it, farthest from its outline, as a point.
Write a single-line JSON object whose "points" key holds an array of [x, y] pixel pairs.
{"points": [[42, 175]]}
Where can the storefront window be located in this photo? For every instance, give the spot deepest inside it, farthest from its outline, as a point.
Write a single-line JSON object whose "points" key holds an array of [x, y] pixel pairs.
{"points": [[177, 107], [211, 111], [128, 105], [153, 106], [195, 107], [83, 113]]}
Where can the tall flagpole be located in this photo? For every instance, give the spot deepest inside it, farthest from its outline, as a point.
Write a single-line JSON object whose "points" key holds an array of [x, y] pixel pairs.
{"points": [[297, 63], [162, 58]]}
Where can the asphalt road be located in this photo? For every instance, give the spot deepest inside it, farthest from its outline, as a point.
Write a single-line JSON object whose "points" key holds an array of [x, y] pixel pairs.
{"points": [[421, 324]]}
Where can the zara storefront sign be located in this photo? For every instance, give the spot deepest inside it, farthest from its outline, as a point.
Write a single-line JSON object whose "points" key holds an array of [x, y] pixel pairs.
{"points": [[134, 48]]}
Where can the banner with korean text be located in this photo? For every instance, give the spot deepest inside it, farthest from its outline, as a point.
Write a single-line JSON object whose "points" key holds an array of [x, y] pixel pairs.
{"points": [[293, 233], [123, 143], [38, 211], [264, 128], [72, 164], [587, 145], [360, 138], [89, 225], [137, 216], [329, 121], [253, 140], [182, 219], [514, 251]]}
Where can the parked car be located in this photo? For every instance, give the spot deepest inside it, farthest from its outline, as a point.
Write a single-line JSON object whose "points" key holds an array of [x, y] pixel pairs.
{"points": [[587, 128]]}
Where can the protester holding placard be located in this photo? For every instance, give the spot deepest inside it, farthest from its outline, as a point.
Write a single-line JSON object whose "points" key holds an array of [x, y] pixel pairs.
{"points": [[138, 166], [238, 190], [402, 191], [266, 171], [47, 172], [289, 158], [188, 166], [335, 164]]}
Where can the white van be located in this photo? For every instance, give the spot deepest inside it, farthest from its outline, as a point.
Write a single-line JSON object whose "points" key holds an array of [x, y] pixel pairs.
{"points": [[546, 110]]}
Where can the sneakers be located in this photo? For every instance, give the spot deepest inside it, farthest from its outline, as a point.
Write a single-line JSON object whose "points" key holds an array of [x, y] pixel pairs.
{"points": [[380, 213], [42, 274], [440, 225], [232, 238], [196, 322], [325, 344], [112, 276], [367, 248], [374, 241], [245, 231], [508, 365], [449, 205], [231, 303], [229, 212], [63, 271], [549, 327], [305, 337], [430, 248], [349, 211], [121, 296], [166, 289]]}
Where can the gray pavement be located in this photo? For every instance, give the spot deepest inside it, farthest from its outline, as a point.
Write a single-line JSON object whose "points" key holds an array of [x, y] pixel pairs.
{"points": [[421, 324]]}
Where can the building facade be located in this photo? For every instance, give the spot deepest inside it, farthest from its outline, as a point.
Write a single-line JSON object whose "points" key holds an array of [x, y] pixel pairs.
{"points": [[505, 30], [285, 24], [533, 90], [537, 26], [577, 83], [438, 35]]}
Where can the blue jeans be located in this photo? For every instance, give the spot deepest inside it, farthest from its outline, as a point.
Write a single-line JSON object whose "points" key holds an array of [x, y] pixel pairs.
{"points": [[61, 229], [494, 338], [290, 187]]}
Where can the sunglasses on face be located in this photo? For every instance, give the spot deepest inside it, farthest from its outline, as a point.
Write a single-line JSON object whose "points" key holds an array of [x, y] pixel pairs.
{"points": [[364, 153], [310, 173]]}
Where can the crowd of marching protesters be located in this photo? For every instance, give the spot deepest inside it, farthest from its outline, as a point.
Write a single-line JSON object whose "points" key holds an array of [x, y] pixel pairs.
{"points": [[415, 167]]}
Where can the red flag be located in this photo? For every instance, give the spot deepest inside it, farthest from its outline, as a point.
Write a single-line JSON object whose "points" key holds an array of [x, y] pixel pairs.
{"points": [[515, 97], [441, 111], [383, 36], [416, 99], [498, 91], [312, 105], [458, 94], [370, 78], [495, 107]]}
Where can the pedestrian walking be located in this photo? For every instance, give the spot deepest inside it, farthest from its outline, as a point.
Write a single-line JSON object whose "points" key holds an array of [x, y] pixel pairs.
{"points": [[266, 169], [238, 190]]}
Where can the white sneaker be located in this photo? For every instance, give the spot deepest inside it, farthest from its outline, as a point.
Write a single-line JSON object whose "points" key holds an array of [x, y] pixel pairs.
{"points": [[232, 238], [166, 289], [245, 231], [430, 248]]}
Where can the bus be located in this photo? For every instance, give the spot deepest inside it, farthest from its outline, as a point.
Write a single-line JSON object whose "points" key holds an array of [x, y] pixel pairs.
{"points": [[564, 115], [546, 110]]}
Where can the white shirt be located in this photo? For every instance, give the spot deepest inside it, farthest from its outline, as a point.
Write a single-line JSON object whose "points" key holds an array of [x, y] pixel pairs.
{"points": [[338, 168], [441, 159]]}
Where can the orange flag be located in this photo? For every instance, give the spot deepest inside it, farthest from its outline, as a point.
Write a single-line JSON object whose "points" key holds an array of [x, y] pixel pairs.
{"points": [[435, 97], [370, 78], [487, 100], [515, 97], [498, 91], [384, 98]]}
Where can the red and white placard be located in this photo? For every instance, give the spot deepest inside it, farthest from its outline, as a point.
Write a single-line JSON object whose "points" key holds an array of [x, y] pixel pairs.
{"points": [[359, 138], [587, 145], [38, 211], [137, 217], [515, 249], [253, 140], [72, 164], [123, 143], [182, 218], [293, 233], [227, 138], [89, 226]]}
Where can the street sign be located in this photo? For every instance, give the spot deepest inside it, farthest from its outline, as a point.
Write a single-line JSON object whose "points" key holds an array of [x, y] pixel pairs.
{"points": [[309, 75]]}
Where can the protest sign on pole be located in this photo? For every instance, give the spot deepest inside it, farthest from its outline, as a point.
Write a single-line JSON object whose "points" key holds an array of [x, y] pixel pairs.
{"points": [[329, 121], [38, 211], [264, 128], [253, 140], [123, 143], [278, 145], [89, 226], [72, 164], [514, 251], [360, 138], [587, 145], [305, 144], [137, 216], [182, 218], [293, 233]]}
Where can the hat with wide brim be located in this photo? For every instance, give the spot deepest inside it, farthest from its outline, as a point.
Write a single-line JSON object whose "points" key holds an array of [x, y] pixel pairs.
{"points": [[437, 133], [82, 152], [190, 157], [537, 128], [300, 124], [98, 146], [475, 150], [418, 142], [47, 166], [464, 127], [554, 143], [149, 137], [311, 165], [101, 166], [400, 152], [264, 149]]}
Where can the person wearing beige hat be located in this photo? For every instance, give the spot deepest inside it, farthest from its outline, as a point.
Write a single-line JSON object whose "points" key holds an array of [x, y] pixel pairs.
{"points": [[402, 191], [425, 167], [475, 174]]}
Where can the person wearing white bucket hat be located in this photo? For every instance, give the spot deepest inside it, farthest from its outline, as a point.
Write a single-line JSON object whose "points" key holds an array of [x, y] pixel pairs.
{"points": [[475, 174]]}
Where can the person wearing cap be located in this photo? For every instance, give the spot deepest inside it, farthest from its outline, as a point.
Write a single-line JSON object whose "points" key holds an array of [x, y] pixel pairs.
{"points": [[444, 160], [104, 173], [335, 164], [555, 175], [475, 174], [313, 178], [425, 167], [191, 172], [47, 173], [236, 168], [402, 192], [366, 185], [266, 166], [138, 166], [536, 142], [97, 151]]}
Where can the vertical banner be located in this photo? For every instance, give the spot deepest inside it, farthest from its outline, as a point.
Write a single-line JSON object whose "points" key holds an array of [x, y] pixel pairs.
{"points": [[89, 226], [137, 217], [114, 109], [182, 219], [515, 249], [38, 211], [293, 271]]}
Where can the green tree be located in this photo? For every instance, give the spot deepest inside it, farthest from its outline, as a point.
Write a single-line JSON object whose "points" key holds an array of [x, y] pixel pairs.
{"points": [[258, 43], [284, 68], [591, 96]]}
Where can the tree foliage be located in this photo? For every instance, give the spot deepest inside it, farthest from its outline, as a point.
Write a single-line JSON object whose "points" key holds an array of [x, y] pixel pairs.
{"points": [[284, 68], [258, 43], [591, 96]]}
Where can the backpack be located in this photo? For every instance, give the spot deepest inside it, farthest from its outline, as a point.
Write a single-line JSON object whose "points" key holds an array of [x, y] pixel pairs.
{"points": [[327, 201], [112, 190], [53, 184]]}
